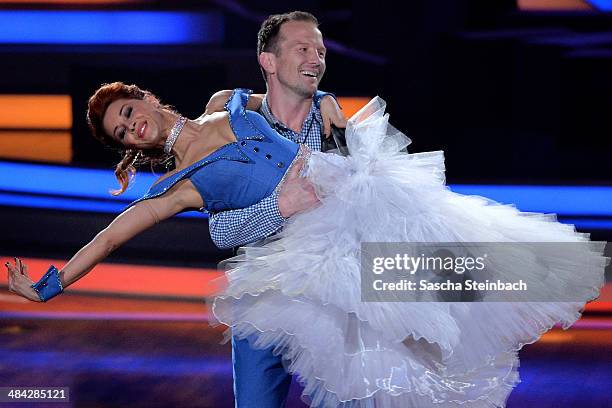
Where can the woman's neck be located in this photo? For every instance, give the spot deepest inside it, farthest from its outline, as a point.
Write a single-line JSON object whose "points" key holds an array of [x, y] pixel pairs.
{"points": [[191, 132]]}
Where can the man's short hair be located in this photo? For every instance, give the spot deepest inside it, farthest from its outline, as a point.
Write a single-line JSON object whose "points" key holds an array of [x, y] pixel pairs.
{"points": [[267, 37]]}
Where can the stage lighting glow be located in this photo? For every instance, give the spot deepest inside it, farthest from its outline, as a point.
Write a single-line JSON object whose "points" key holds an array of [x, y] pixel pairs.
{"points": [[566, 200], [109, 27], [588, 223], [79, 189], [69, 181], [72, 204], [603, 5], [35, 111]]}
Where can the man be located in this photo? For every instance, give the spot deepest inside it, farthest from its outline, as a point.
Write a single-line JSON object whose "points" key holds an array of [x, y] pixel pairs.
{"points": [[291, 55]]}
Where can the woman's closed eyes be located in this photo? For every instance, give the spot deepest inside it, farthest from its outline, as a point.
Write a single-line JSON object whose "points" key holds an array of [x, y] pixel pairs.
{"points": [[127, 113]]}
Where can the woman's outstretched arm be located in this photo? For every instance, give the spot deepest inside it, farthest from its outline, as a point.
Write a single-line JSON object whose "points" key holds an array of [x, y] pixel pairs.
{"points": [[128, 224]]}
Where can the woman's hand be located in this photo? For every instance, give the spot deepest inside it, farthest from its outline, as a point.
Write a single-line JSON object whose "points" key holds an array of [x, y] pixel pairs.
{"points": [[219, 99], [217, 102], [331, 114], [255, 101], [19, 281]]}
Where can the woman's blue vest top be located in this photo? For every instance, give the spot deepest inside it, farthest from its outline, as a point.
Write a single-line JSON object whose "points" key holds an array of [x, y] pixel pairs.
{"points": [[241, 173]]}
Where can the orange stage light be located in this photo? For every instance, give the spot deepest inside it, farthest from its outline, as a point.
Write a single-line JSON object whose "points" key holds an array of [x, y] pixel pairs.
{"points": [[36, 112], [55, 147], [36, 127], [553, 5], [351, 104], [188, 283], [135, 280]]}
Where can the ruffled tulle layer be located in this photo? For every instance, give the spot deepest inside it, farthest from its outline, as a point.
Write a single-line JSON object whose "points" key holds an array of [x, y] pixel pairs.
{"points": [[300, 292]]}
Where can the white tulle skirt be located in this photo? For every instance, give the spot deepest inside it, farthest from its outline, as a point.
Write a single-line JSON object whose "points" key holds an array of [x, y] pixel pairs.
{"points": [[300, 292]]}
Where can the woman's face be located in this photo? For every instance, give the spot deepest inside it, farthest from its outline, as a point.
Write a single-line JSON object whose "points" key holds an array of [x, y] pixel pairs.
{"points": [[135, 123]]}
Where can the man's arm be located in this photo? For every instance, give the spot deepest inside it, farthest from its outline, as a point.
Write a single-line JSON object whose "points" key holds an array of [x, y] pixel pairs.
{"points": [[240, 227]]}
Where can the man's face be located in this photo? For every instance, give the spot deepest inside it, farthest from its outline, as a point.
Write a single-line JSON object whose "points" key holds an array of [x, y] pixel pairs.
{"points": [[300, 60]]}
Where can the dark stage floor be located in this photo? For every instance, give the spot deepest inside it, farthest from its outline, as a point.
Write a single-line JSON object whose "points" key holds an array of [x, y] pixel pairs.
{"points": [[141, 358]]}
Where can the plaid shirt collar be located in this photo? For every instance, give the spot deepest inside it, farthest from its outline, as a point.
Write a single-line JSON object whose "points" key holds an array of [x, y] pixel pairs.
{"points": [[313, 114]]}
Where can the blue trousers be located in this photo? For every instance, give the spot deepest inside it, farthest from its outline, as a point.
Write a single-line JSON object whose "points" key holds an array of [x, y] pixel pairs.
{"points": [[260, 381]]}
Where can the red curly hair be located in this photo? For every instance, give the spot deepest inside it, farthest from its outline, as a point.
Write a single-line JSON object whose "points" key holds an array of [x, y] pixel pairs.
{"points": [[132, 158]]}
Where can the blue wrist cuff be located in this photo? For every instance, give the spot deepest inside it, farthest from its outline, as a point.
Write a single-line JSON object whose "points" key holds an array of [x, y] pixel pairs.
{"points": [[319, 96], [49, 285]]}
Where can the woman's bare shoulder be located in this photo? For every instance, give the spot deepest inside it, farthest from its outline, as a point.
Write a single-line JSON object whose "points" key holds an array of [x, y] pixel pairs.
{"points": [[217, 125]]}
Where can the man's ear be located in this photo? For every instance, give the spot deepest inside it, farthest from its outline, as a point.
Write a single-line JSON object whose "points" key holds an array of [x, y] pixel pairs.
{"points": [[267, 60]]}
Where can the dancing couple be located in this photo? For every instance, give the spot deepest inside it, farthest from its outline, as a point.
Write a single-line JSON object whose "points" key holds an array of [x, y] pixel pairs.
{"points": [[292, 295]]}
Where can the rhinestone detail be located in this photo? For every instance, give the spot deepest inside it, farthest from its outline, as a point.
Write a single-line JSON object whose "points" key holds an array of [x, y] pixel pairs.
{"points": [[174, 132]]}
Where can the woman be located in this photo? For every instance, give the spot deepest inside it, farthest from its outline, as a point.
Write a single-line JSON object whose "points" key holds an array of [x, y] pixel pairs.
{"points": [[130, 119], [301, 291]]}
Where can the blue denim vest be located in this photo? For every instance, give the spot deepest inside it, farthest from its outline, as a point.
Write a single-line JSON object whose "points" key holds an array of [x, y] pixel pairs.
{"points": [[241, 173]]}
